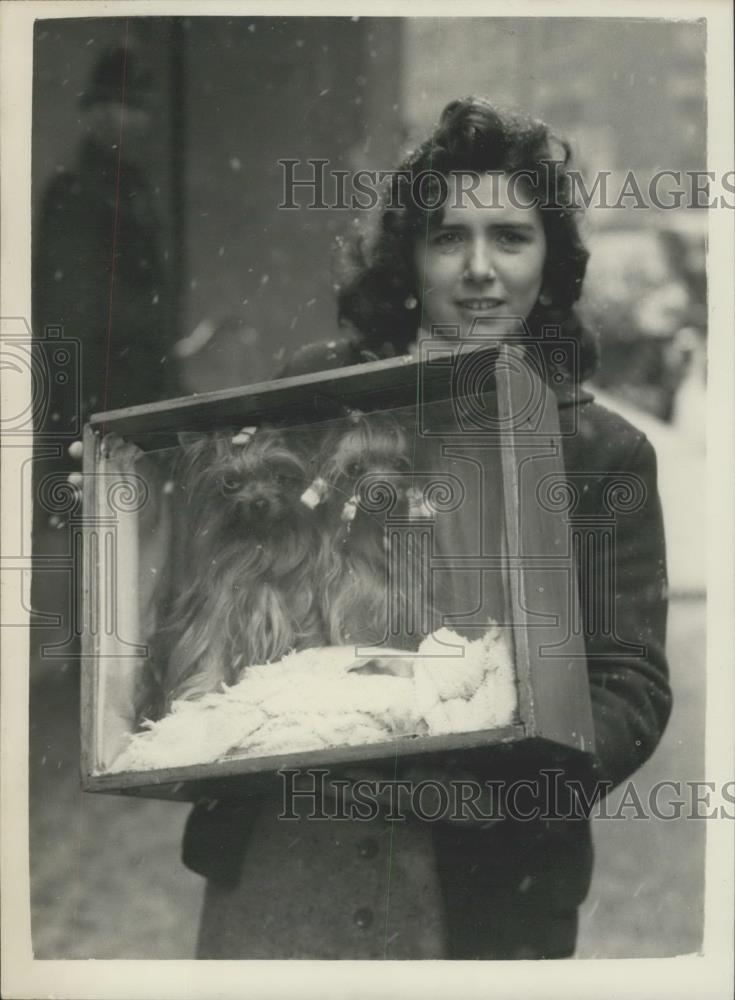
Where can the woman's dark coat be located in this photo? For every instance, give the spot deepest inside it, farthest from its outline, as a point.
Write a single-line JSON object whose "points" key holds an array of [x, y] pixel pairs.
{"points": [[511, 890]]}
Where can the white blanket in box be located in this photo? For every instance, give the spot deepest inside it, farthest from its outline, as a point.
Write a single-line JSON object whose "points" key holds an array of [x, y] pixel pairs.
{"points": [[314, 699]]}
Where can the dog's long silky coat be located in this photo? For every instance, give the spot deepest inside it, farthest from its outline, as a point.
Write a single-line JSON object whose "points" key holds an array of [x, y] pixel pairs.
{"points": [[363, 600], [250, 590]]}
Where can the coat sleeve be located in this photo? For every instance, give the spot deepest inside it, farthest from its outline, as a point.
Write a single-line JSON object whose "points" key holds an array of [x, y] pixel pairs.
{"points": [[216, 837], [628, 671]]}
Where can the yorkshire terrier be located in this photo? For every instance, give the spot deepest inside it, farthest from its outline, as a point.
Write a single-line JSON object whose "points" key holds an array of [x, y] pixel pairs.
{"points": [[373, 579], [250, 592]]}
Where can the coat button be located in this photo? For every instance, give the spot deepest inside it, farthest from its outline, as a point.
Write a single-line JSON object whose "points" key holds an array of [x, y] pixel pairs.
{"points": [[363, 917], [367, 848]]}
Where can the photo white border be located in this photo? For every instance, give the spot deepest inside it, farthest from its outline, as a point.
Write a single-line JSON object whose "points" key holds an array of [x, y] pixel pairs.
{"points": [[709, 975]]}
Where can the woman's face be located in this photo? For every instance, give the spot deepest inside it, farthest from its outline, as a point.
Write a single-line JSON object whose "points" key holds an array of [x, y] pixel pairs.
{"points": [[483, 263]]}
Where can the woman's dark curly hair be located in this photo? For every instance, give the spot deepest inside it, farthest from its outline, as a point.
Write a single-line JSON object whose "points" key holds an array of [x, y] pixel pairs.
{"points": [[472, 135]]}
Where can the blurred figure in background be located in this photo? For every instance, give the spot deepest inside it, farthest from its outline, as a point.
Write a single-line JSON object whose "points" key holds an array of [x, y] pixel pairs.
{"points": [[689, 416], [98, 271], [98, 277], [646, 288]]}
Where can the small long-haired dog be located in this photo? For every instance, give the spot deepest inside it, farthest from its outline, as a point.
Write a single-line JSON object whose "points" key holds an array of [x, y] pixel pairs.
{"points": [[373, 578], [249, 593]]}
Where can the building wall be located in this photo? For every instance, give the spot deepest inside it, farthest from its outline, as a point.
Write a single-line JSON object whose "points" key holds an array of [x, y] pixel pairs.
{"points": [[629, 93], [259, 90]]}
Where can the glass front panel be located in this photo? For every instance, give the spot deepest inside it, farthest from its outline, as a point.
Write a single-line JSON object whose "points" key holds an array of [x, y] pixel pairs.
{"points": [[283, 589]]}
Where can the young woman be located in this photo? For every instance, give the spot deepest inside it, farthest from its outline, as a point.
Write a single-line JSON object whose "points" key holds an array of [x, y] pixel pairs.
{"points": [[492, 240]]}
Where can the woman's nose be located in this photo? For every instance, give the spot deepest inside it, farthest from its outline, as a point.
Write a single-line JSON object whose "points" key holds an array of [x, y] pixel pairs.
{"points": [[479, 264]]}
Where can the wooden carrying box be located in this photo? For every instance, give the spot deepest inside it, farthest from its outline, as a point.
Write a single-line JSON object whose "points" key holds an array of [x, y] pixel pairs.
{"points": [[328, 568]]}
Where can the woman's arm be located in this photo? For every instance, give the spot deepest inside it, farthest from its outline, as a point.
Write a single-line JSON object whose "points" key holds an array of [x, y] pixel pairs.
{"points": [[631, 698]]}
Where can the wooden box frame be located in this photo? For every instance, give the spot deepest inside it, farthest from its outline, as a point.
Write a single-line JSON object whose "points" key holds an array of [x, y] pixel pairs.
{"points": [[553, 690]]}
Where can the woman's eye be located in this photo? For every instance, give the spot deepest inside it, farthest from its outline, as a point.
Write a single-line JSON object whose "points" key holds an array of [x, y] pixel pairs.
{"points": [[354, 469], [511, 238], [447, 240]]}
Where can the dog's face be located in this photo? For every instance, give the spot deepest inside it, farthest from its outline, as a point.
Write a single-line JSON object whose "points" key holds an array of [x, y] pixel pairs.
{"points": [[372, 453], [256, 484], [262, 482]]}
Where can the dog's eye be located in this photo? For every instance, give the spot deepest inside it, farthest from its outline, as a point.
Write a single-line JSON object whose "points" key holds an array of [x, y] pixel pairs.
{"points": [[283, 480], [230, 485]]}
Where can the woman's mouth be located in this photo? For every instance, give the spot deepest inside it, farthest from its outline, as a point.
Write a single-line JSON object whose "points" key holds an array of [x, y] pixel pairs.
{"points": [[479, 305]]}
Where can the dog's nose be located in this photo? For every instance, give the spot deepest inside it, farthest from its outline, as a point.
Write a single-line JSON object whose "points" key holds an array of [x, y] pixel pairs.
{"points": [[259, 505]]}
